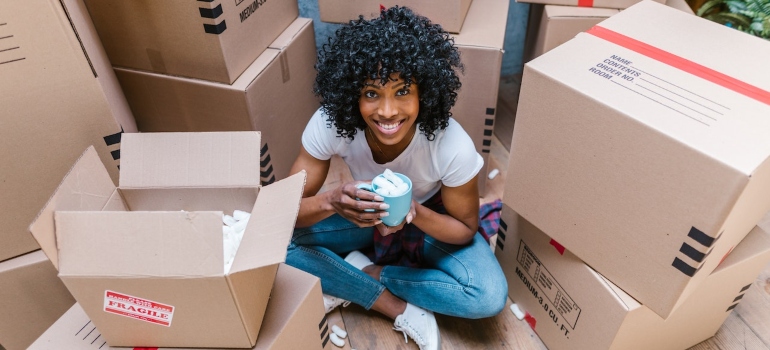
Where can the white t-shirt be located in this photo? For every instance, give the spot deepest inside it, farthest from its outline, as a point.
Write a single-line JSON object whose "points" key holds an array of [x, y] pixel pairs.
{"points": [[451, 157]]}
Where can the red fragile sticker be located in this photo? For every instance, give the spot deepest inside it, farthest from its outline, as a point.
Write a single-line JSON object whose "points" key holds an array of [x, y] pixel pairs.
{"points": [[585, 3], [558, 246], [138, 308]]}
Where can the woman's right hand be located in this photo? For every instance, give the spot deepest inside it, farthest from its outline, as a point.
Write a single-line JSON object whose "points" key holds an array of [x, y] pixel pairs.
{"points": [[359, 206]]}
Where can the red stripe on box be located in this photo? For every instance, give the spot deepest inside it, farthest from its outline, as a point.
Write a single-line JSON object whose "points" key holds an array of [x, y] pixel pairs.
{"points": [[586, 3], [145, 348], [683, 64]]}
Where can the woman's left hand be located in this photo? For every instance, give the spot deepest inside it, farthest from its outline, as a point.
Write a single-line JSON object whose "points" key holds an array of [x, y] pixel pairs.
{"points": [[387, 230]]}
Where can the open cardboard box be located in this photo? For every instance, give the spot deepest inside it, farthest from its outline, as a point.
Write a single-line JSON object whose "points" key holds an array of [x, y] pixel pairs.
{"points": [[145, 260], [643, 151], [294, 319], [572, 307]]}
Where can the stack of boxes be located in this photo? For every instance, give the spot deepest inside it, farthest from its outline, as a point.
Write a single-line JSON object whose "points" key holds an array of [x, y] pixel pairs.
{"points": [[183, 66], [638, 163], [58, 96], [188, 66], [479, 33]]}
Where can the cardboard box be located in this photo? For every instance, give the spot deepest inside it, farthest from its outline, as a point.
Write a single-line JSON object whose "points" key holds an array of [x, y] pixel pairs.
{"points": [[612, 4], [571, 306], [481, 51], [59, 95], [32, 298], [549, 26], [645, 157], [145, 260], [450, 14], [294, 319], [210, 40], [274, 95]]}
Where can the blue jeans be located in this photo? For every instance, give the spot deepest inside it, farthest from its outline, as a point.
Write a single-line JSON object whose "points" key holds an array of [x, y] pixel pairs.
{"points": [[462, 281]]}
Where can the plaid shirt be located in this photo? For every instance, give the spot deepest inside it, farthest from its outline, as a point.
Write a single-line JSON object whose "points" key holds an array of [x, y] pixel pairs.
{"points": [[404, 247]]}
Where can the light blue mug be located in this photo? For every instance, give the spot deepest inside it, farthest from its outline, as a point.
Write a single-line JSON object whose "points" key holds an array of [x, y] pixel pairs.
{"points": [[399, 205]]}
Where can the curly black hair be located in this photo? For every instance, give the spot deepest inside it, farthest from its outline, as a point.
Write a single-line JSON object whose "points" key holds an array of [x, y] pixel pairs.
{"points": [[399, 41]]}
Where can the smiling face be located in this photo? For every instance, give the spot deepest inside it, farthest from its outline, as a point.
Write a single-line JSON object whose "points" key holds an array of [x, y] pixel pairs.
{"points": [[390, 111]]}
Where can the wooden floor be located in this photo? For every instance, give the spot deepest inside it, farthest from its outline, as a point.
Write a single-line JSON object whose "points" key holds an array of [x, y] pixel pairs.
{"points": [[748, 327]]}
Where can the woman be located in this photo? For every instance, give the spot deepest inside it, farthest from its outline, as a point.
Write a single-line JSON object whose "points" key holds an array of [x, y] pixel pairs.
{"points": [[386, 87]]}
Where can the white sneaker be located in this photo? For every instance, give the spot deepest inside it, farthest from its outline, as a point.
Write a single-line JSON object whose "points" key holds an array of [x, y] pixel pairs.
{"points": [[358, 260], [330, 302], [420, 325]]}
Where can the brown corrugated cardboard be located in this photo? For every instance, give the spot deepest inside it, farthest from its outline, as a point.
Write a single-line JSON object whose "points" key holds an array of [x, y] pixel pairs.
{"points": [[645, 157], [571, 306], [32, 298], [450, 14], [481, 51], [210, 40], [145, 261], [294, 319], [295, 316], [58, 96], [274, 95], [612, 4], [552, 25]]}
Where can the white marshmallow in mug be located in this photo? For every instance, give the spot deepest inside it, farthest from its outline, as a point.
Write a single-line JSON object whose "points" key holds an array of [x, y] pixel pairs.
{"points": [[402, 188], [392, 177], [381, 182], [382, 191]]}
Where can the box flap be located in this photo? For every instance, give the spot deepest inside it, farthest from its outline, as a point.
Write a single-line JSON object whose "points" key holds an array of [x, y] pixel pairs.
{"points": [[255, 69], [484, 25], [290, 32], [251, 294], [294, 312], [554, 11], [168, 244], [87, 186], [756, 243], [213, 159], [271, 224]]}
